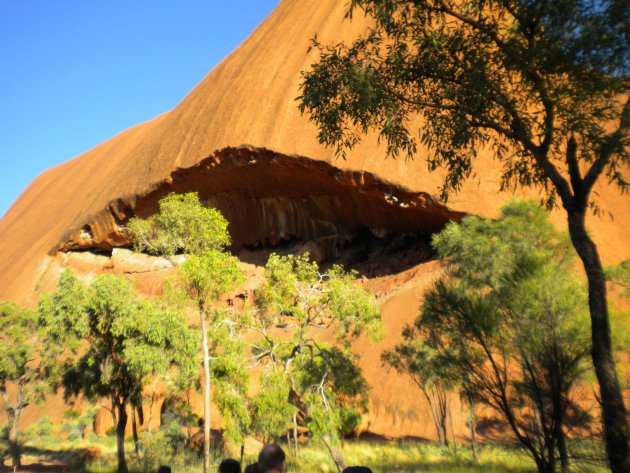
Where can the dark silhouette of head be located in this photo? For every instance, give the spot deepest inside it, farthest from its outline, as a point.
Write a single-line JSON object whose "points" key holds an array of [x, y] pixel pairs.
{"points": [[357, 469], [271, 459], [229, 466], [253, 468]]}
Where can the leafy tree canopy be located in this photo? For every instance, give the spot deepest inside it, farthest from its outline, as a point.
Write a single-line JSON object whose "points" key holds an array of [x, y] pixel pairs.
{"points": [[508, 318], [117, 342], [534, 81], [183, 223], [24, 363], [129, 339], [542, 85], [20, 347], [619, 276], [304, 373]]}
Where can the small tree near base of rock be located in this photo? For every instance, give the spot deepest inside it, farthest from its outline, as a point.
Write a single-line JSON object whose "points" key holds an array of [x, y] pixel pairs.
{"points": [[185, 224], [23, 360], [116, 342], [508, 319], [294, 308]]}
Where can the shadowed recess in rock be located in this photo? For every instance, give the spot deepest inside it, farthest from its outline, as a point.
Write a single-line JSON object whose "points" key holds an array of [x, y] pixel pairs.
{"points": [[270, 199]]}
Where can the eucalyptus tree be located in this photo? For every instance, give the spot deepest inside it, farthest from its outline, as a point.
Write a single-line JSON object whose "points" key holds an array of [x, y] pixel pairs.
{"points": [[306, 322], [184, 224], [231, 375], [427, 370], [541, 84], [508, 319], [23, 367], [109, 343]]}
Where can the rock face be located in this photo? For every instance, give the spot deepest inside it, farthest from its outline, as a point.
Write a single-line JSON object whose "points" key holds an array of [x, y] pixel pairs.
{"points": [[282, 187], [249, 98], [269, 198]]}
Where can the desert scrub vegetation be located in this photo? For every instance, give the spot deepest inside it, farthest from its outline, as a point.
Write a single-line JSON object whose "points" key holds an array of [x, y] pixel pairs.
{"points": [[381, 456]]}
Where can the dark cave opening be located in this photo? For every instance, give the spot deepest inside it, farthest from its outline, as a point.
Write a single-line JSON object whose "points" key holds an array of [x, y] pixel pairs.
{"points": [[290, 205], [369, 254]]}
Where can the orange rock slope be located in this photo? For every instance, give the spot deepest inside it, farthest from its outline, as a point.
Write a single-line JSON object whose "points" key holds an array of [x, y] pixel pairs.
{"points": [[248, 99], [240, 141]]}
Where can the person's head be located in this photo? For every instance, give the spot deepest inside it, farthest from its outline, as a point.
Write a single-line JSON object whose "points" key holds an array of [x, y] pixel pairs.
{"points": [[271, 459], [230, 466], [253, 468], [357, 469]]}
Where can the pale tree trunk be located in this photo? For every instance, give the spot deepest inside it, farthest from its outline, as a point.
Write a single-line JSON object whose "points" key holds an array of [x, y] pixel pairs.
{"points": [[449, 410], [472, 420], [13, 418], [14, 441], [206, 391], [151, 406], [614, 412], [335, 453], [295, 435]]}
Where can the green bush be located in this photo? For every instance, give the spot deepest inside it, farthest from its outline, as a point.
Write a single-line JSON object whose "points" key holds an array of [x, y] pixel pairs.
{"points": [[41, 430]]}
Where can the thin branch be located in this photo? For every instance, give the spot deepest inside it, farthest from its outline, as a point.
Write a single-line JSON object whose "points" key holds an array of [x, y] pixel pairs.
{"points": [[609, 148]]}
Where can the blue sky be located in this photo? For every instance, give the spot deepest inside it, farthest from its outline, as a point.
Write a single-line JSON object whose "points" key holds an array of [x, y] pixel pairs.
{"points": [[74, 73]]}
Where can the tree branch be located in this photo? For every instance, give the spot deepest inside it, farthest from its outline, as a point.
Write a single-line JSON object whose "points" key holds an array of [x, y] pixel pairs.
{"points": [[572, 164], [609, 148]]}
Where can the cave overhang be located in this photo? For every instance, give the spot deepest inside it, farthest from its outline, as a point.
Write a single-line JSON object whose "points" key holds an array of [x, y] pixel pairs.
{"points": [[269, 197]]}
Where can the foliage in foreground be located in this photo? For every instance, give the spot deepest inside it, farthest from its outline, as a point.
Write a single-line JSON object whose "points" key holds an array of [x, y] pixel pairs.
{"points": [[309, 368], [116, 343], [540, 85], [24, 366], [305, 375], [184, 224], [506, 324]]}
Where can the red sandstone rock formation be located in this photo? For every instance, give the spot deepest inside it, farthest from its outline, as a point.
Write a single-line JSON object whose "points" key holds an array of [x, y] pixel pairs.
{"points": [[249, 98], [284, 185]]}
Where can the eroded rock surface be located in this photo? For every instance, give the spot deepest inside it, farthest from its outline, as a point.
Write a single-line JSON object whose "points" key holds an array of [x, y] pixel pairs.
{"points": [[269, 198], [295, 198], [248, 98]]}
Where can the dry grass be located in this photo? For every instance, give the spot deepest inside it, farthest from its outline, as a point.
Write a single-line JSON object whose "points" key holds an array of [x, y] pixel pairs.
{"points": [[381, 457]]}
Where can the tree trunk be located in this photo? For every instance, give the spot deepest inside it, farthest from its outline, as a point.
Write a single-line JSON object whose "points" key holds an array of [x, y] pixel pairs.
{"points": [[134, 431], [206, 392], [152, 405], [559, 413], [433, 407], [614, 412], [543, 466], [443, 426], [13, 416], [473, 427], [335, 453], [150, 420], [121, 425], [450, 416], [295, 435], [562, 451]]}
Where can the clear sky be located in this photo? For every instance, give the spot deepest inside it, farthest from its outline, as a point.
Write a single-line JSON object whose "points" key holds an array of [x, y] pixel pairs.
{"points": [[74, 73]]}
